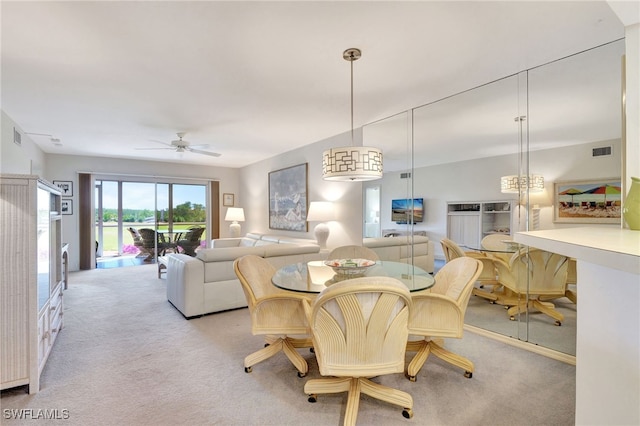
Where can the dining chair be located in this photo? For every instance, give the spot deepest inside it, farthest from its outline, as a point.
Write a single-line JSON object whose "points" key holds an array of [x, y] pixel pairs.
{"points": [[488, 276], [152, 240], [191, 240], [438, 313], [359, 331], [353, 252], [275, 313], [532, 278]]}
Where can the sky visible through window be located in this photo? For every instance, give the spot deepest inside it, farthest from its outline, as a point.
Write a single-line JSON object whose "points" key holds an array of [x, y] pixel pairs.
{"points": [[140, 196]]}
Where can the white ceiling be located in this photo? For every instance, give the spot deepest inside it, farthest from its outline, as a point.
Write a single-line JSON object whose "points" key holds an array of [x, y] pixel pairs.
{"points": [[256, 79]]}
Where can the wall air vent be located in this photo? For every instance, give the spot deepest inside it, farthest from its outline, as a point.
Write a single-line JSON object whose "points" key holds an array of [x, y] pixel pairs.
{"points": [[598, 152], [17, 137], [405, 175]]}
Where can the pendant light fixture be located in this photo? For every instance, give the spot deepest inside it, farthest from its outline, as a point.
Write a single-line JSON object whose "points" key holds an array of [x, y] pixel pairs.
{"points": [[352, 163]]}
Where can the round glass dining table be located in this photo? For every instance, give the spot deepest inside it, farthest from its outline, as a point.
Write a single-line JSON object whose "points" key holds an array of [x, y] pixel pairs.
{"points": [[315, 276]]}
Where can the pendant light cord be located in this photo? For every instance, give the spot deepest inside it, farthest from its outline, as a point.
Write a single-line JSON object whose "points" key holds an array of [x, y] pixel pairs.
{"points": [[352, 143]]}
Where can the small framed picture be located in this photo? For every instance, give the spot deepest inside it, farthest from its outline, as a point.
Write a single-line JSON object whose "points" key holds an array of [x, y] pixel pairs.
{"points": [[67, 206], [228, 199], [66, 187]]}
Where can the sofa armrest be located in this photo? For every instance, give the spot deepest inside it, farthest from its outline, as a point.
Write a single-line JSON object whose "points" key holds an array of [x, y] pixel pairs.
{"points": [[185, 284]]}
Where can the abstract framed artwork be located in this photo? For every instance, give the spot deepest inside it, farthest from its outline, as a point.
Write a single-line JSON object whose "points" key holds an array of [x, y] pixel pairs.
{"points": [[588, 201], [67, 206], [288, 198], [65, 186]]}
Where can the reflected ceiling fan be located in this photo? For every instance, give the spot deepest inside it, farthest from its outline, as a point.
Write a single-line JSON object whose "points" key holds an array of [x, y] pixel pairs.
{"points": [[180, 145]]}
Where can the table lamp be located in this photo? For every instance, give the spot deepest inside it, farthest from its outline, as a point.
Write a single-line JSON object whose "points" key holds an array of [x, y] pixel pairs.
{"points": [[235, 214], [321, 211]]}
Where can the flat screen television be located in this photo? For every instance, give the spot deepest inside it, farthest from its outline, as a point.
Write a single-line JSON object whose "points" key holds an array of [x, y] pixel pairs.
{"points": [[401, 210]]}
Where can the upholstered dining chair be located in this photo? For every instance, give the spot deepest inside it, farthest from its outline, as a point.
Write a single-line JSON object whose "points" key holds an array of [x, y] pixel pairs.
{"points": [[532, 278], [277, 314], [488, 277], [191, 240], [438, 313], [359, 330], [353, 252]]}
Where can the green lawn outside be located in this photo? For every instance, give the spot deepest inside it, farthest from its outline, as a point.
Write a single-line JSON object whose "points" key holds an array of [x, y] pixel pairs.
{"points": [[110, 233]]}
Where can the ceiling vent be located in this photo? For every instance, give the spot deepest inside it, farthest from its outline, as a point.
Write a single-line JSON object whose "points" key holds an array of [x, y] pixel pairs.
{"points": [[405, 175], [599, 152]]}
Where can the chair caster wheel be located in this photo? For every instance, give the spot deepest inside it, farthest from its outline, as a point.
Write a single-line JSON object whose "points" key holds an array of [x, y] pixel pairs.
{"points": [[558, 323], [266, 344], [301, 374], [248, 369], [407, 413], [512, 318], [312, 398], [468, 374], [312, 350], [411, 378]]}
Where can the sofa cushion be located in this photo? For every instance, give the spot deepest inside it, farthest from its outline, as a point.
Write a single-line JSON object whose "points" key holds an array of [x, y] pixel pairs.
{"points": [[228, 253], [289, 249], [247, 242]]}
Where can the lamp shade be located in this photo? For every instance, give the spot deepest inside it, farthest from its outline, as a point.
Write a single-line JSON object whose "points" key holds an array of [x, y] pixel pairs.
{"points": [[516, 183], [352, 163], [235, 214], [320, 211]]}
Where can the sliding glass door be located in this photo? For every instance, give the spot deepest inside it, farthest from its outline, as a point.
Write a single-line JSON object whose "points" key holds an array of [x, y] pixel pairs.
{"points": [[170, 208]]}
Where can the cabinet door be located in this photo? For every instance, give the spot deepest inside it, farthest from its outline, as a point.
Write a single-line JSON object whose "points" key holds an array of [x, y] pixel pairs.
{"points": [[465, 229]]}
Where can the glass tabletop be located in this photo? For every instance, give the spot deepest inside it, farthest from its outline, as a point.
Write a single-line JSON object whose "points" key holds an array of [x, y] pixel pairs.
{"points": [[315, 276]]}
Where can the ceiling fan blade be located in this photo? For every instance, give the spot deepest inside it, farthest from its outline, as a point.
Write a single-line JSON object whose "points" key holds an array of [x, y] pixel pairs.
{"points": [[200, 146], [198, 151], [149, 149]]}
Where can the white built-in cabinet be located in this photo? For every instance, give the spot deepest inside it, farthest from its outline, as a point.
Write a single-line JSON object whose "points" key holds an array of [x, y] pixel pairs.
{"points": [[470, 221], [32, 278]]}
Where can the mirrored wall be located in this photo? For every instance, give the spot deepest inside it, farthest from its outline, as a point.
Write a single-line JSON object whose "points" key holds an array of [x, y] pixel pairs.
{"points": [[452, 153]]}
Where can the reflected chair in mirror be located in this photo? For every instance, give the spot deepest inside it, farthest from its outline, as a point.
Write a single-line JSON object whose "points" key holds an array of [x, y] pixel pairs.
{"points": [[152, 240], [191, 240], [359, 330], [277, 314], [488, 277], [530, 279], [438, 313], [353, 252]]}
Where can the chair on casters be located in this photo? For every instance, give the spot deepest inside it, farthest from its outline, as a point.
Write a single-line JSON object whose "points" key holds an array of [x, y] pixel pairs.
{"points": [[532, 278], [439, 312], [275, 313], [353, 252], [487, 277], [359, 330]]}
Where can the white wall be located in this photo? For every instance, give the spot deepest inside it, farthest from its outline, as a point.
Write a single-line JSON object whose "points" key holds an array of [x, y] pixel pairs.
{"points": [[477, 180], [347, 196], [26, 158]]}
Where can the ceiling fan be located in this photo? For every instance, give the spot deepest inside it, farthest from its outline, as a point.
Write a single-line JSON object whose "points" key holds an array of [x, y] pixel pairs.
{"points": [[180, 145]]}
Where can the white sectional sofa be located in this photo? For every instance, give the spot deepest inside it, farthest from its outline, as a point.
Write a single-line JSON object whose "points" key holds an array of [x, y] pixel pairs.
{"points": [[399, 249], [207, 282]]}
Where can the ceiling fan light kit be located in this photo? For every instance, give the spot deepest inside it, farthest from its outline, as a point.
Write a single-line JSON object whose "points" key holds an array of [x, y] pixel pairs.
{"points": [[352, 163]]}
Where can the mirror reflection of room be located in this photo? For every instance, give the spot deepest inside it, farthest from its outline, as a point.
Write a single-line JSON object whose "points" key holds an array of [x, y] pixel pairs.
{"points": [[491, 133]]}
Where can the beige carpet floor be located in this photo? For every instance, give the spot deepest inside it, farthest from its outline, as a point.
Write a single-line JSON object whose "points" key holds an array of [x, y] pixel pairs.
{"points": [[127, 357]]}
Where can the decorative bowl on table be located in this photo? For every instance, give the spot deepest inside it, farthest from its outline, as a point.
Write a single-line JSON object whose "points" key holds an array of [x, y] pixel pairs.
{"points": [[349, 266]]}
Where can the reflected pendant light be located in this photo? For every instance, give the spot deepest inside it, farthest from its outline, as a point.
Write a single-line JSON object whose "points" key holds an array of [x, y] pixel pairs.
{"points": [[352, 163]]}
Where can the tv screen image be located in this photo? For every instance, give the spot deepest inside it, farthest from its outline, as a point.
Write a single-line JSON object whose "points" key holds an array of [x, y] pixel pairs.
{"points": [[401, 210]]}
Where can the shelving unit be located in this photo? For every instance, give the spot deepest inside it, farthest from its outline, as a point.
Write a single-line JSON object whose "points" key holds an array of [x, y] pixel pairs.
{"points": [[470, 221], [32, 278]]}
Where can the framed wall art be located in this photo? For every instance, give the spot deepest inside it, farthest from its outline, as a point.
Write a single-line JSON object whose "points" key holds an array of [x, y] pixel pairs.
{"points": [[65, 186], [587, 201], [66, 206], [288, 198], [228, 199]]}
